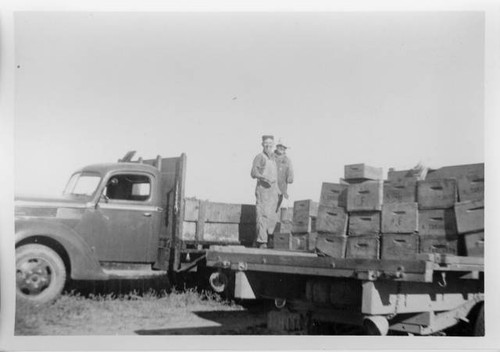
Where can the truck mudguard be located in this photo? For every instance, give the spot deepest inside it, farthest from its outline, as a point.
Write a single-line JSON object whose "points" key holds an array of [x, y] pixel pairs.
{"points": [[84, 264]]}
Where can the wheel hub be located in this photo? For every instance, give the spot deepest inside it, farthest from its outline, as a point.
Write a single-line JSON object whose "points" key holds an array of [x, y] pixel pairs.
{"points": [[33, 276]]}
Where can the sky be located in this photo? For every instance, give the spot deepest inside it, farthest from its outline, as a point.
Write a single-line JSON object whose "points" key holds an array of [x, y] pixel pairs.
{"points": [[386, 89]]}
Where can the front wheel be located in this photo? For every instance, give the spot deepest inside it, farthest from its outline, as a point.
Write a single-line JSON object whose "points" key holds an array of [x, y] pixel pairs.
{"points": [[40, 273]]}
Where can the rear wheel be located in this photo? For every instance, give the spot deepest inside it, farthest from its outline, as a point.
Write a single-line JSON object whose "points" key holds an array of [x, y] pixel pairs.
{"points": [[479, 323], [40, 273]]}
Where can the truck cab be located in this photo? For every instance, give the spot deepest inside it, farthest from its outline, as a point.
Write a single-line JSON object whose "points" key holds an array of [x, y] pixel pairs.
{"points": [[114, 213]]}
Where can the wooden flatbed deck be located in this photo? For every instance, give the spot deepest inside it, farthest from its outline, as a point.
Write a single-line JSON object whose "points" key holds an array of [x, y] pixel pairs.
{"points": [[421, 268]]}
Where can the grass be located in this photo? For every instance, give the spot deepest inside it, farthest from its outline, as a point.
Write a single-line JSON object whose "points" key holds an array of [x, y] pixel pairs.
{"points": [[110, 314]]}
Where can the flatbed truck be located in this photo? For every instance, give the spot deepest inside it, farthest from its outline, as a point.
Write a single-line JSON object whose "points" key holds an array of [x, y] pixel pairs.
{"points": [[131, 217]]}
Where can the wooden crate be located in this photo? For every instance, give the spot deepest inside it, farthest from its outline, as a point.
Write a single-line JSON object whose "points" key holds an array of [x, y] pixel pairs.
{"points": [[364, 223], [195, 209], [362, 172], [474, 244], [288, 241], [448, 244], [401, 176], [304, 216], [284, 227], [281, 240], [331, 220], [470, 216], [304, 209], [363, 247], [470, 189], [365, 196], [400, 218], [332, 246], [304, 226], [437, 194], [400, 192], [437, 222], [398, 246], [333, 195], [286, 214], [470, 179]]}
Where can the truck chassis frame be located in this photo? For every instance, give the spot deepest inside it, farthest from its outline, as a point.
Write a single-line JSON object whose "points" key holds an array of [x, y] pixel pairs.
{"points": [[422, 295]]}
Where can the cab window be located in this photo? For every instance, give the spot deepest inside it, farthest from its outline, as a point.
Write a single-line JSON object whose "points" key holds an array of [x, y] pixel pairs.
{"points": [[128, 187]]}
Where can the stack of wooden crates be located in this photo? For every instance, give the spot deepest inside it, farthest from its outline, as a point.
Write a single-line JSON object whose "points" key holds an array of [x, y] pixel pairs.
{"points": [[410, 212]]}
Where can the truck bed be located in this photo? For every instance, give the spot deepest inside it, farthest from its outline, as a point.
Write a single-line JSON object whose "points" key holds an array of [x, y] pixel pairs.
{"points": [[420, 268]]}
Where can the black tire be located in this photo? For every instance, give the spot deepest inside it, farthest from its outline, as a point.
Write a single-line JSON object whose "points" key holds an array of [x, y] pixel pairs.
{"points": [[479, 323], [40, 274]]}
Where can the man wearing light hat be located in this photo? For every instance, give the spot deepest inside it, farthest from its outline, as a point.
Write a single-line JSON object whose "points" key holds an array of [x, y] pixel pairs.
{"points": [[267, 192], [285, 169]]}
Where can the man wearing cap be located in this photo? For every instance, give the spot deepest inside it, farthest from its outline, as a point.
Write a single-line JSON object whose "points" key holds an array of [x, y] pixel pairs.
{"points": [[285, 169], [267, 193]]}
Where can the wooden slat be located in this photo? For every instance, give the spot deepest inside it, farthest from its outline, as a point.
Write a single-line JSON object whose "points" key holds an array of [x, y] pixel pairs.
{"points": [[303, 261], [223, 212], [246, 250], [459, 267], [452, 259], [200, 224], [220, 212], [188, 231], [220, 232], [191, 207]]}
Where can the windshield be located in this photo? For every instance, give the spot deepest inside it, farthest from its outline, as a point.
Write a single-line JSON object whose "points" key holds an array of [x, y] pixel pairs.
{"points": [[81, 184]]}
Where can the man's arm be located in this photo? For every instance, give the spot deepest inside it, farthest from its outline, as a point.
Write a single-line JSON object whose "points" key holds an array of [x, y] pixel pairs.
{"points": [[255, 171], [257, 166]]}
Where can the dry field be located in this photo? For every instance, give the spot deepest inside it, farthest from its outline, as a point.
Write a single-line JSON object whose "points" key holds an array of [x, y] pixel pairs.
{"points": [[175, 313], [141, 307]]}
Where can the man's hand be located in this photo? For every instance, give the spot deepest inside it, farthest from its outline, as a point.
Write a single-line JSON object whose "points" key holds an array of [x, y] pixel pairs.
{"points": [[265, 180]]}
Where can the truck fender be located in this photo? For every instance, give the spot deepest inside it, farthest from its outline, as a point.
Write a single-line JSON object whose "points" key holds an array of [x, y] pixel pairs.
{"points": [[83, 263]]}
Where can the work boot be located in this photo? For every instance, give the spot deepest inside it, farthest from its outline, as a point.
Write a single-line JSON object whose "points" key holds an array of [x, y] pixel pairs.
{"points": [[262, 245]]}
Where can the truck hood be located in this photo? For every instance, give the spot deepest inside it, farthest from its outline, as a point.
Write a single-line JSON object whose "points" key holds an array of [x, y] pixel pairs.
{"points": [[49, 207]]}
